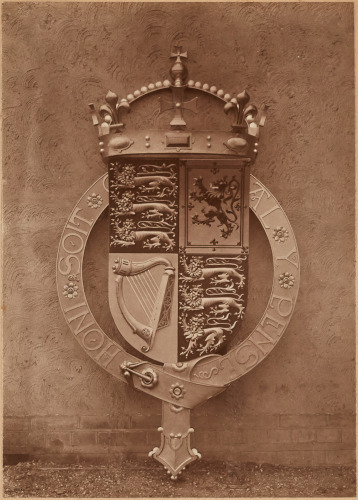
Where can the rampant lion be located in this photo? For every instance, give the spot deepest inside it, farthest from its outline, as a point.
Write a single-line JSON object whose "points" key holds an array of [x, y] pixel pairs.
{"points": [[223, 203]]}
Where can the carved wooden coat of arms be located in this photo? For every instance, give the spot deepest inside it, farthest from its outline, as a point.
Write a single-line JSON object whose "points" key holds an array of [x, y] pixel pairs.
{"points": [[178, 209]]}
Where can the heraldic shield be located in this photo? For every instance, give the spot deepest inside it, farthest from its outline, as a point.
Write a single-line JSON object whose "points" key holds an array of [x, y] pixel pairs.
{"points": [[179, 199], [178, 253]]}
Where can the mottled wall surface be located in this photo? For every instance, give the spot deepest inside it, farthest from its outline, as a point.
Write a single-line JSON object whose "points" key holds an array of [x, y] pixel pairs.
{"points": [[298, 405]]}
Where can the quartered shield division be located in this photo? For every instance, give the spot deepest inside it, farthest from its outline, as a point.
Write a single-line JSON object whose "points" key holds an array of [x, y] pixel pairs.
{"points": [[179, 246], [178, 256]]}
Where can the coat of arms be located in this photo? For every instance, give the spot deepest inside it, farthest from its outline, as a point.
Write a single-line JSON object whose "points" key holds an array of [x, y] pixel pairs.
{"points": [[178, 210], [177, 276]]}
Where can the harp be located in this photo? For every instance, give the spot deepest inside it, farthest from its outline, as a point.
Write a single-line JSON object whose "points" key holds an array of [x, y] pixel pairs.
{"points": [[154, 299]]}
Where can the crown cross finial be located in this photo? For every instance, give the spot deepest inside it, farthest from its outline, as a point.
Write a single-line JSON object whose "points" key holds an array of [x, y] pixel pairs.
{"points": [[179, 71], [179, 54]]}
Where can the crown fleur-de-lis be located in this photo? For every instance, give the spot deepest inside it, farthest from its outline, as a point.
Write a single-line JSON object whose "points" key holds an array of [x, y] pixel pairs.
{"points": [[111, 114], [112, 111], [247, 115]]}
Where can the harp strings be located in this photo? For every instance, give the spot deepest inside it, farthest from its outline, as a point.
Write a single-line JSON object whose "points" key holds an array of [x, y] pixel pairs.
{"points": [[145, 289]]}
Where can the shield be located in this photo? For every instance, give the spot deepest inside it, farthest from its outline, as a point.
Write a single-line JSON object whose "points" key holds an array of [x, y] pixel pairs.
{"points": [[178, 256], [178, 250]]}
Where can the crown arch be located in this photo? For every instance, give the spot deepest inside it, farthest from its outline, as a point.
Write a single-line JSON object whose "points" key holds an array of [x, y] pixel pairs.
{"points": [[240, 142]]}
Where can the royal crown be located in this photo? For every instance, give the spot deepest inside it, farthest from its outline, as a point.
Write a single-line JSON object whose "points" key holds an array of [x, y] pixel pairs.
{"points": [[241, 141]]}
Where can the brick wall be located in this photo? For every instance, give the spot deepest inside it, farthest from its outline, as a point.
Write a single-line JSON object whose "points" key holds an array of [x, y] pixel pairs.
{"points": [[296, 57], [322, 439]]}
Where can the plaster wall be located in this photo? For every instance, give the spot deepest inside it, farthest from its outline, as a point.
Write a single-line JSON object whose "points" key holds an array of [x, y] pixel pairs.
{"points": [[298, 405]]}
